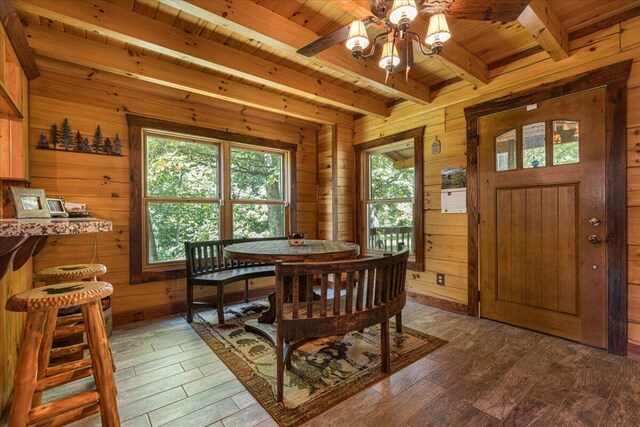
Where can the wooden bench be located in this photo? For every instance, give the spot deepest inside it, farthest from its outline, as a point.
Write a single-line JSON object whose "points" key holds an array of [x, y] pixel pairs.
{"points": [[207, 266], [369, 291]]}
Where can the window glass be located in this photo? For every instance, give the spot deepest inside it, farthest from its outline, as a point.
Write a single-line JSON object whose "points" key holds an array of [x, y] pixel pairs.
{"points": [[566, 142], [258, 220], [391, 174], [533, 148], [172, 224], [390, 224], [256, 175], [179, 168], [506, 151]]}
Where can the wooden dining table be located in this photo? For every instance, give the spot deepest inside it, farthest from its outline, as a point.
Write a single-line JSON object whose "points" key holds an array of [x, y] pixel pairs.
{"points": [[270, 251]]}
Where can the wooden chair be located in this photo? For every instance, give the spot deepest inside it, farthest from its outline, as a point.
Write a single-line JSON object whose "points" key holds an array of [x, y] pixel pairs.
{"points": [[33, 373], [373, 290], [207, 266]]}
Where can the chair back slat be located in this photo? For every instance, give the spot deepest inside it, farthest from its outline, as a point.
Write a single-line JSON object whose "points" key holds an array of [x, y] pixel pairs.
{"points": [[296, 296], [349, 301], [309, 295], [360, 290], [337, 291], [324, 281], [371, 285]]}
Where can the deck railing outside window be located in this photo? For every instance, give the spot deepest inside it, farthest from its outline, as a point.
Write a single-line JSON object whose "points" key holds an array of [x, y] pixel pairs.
{"points": [[386, 239]]}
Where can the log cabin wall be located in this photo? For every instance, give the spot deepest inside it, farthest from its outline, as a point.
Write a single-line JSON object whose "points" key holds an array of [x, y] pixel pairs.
{"points": [[88, 98], [335, 182], [446, 234]]}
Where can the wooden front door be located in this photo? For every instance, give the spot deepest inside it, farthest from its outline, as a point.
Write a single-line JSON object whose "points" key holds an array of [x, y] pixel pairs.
{"points": [[542, 217]]}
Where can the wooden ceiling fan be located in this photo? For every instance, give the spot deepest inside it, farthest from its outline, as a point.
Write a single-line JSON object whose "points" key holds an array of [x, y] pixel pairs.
{"points": [[396, 17]]}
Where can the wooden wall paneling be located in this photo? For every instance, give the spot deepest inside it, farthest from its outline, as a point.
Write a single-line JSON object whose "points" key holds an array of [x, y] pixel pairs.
{"points": [[66, 90]]}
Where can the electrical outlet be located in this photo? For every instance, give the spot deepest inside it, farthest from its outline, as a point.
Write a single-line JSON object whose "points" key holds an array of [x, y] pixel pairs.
{"points": [[440, 279]]}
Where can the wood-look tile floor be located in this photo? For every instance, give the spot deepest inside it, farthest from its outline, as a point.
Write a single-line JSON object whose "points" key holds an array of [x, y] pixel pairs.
{"points": [[489, 374]]}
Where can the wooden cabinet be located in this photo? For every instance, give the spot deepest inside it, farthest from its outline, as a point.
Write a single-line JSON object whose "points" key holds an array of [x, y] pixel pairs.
{"points": [[13, 113]]}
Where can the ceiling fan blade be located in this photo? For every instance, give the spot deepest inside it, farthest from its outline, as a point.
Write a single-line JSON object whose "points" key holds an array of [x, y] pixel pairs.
{"points": [[325, 42], [479, 10], [330, 39]]}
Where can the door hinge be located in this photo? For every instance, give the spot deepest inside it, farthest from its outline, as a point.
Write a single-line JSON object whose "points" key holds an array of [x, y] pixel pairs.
{"points": [[478, 217], [478, 295]]}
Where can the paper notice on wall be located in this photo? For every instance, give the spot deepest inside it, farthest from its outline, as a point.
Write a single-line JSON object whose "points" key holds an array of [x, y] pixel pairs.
{"points": [[453, 198]]}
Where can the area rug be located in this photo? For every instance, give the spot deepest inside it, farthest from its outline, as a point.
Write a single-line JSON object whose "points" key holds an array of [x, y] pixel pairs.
{"points": [[324, 371]]}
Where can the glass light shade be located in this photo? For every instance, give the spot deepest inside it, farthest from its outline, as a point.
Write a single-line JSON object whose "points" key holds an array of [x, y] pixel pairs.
{"points": [[389, 56], [403, 9], [438, 31], [357, 35]]}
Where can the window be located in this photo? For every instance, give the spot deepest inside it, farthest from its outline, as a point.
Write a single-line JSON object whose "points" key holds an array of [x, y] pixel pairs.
{"points": [[506, 151], [566, 142], [199, 184], [181, 197], [390, 195], [551, 142], [533, 141], [257, 193]]}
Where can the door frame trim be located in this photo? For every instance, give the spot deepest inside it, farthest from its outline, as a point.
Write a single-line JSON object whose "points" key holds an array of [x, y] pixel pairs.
{"points": [[614, 79]]}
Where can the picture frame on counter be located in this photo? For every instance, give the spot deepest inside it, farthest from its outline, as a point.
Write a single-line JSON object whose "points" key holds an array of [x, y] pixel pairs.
{"points": [[56, 207], [29, 203]]}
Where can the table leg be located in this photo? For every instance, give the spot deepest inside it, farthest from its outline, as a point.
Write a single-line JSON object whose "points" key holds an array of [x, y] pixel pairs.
{"points": [[269, 316]]}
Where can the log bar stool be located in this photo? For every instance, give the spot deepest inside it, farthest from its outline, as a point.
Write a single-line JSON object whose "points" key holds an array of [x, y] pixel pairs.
{"points": [[33, 375], [67, 273]]}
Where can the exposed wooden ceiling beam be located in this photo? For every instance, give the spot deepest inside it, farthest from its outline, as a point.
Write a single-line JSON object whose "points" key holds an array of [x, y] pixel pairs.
{"points": [[15, 33], [77, 50], [121, 24], [259, 23], [453, 56], [545, 26]]}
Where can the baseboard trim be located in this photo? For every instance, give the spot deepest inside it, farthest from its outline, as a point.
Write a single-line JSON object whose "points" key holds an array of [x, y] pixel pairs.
{"points": [[633, 351], [163, 310], [455, 307]]}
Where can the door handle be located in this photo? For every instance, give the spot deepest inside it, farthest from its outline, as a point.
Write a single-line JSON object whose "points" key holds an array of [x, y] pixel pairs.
{"points": [[594, 239]]}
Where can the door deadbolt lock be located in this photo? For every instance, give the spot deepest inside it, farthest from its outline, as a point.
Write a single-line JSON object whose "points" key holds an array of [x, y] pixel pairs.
{"points": [[594, 239], [594, 221]]}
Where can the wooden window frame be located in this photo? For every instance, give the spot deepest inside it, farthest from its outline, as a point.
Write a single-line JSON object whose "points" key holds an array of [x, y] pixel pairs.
{"points": [[138, 271], [416, 263], [614, 79]]}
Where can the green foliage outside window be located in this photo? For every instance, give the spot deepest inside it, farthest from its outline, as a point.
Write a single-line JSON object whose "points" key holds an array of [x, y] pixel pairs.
{"points": [[184, 174], [388, 183]]}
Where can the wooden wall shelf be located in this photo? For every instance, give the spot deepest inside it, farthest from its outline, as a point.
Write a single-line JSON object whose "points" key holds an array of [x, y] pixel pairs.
{"points": [[21, 239]]}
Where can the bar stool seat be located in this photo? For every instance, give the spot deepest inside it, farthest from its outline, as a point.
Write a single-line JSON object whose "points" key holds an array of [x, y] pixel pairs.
{"points": [[33, 374], [66, 273]]}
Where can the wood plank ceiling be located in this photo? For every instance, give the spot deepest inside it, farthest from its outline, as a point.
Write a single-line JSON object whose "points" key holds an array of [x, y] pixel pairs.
{"points": [[243, 51]]}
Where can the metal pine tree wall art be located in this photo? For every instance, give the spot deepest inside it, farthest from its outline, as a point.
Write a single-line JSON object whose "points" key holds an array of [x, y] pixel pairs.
{"points": [[62, 139]]}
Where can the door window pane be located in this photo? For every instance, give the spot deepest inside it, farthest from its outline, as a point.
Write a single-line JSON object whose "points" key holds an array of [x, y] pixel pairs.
{"points": [[506, 151], [179, 168], [254, 220], [566, 142], [391, 174], [388, 225], [256, 175], [533, 149], [172, 224]]}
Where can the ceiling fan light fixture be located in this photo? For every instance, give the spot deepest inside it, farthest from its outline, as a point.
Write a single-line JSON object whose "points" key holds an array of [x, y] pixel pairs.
{"points": [[403, 12], [389, 58], [438, 31], [358, 39]]}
